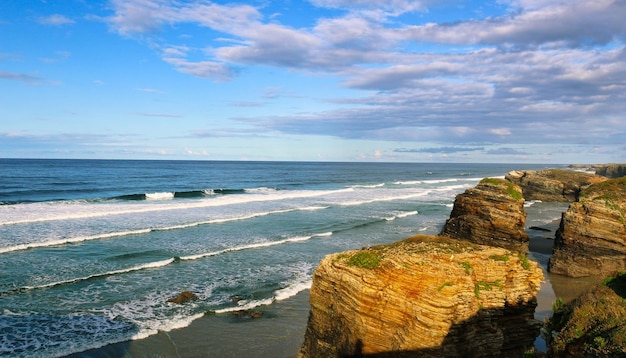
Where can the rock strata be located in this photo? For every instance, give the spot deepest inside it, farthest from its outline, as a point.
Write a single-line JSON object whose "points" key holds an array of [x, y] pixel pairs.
{"points": [[552, 184], [492, 213], [591, 239], [612, 170], [593, 325], [427, 296]]}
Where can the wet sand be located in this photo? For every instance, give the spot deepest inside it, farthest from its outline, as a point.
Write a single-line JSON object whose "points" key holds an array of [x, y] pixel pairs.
{"points": [[278, 333]]}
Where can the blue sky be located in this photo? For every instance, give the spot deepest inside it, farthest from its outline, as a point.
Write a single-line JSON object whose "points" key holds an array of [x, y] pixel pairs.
{"points": [[528, 81]]}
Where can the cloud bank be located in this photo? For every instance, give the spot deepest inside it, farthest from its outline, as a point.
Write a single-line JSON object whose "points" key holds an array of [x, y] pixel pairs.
{"points": [[540, 71]]}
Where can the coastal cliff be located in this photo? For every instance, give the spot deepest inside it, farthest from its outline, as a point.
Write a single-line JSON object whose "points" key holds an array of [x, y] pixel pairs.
{"points": [[491, 213], [552, 184], [426, 295], [591, 239], [593, 325], [612, 170]]}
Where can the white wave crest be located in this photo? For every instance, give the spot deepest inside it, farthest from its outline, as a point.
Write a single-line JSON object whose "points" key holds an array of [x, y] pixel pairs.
{"points": [[260, 190], [148, 265], [292, 290], [73, 240], [370, 186], [79, 239], [160, 196], [254, 246], [42, 212]]}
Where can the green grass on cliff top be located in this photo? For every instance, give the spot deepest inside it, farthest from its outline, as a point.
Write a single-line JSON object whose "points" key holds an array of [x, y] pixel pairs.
{"points": [[507, 185], [593, 325], [613, 190], [565, 175]]}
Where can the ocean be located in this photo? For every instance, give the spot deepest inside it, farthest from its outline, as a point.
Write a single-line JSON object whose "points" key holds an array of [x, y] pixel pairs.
{"points": [[91, 250]]}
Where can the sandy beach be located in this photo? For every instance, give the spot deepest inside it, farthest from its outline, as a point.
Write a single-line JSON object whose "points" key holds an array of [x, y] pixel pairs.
{"points": [[280, 331]]}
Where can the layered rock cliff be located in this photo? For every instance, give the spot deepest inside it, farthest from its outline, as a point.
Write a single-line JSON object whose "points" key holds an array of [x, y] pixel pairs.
{"points": [[593, 325], [429, 296], [492, 213], [552, 184], [612, 170], [591, 239]]}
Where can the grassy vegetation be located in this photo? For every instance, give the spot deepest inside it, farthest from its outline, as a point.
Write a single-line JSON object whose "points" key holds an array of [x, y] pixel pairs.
{"points": [[617, 283], [571, 176], [507, 185], [445, 284], [502, 258], [524, 261], [485, 286], [611, 192], [594, 325], [467, 266], [365, 259]]}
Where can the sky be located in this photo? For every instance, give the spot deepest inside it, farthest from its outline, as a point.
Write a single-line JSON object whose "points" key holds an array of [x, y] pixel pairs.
{"points": [[506, 81]]}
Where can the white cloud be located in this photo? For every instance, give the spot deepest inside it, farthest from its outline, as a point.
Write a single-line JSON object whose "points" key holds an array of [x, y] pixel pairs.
{"points": [[395, 7], [55, 20], [500, 131], [543, 61], [572, 23], [206, 69]]}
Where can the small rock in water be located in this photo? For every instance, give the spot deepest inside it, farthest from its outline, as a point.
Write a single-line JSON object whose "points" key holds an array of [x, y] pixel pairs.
{"points": [[539, 228], [237, 298], [248, 314], [183, 297]]}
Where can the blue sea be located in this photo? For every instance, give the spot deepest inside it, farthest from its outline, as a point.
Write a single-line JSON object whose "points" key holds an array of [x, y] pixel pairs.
{"points": [[91, 250]]}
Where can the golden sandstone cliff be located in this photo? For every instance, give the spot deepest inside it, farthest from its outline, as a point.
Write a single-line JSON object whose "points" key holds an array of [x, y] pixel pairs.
{"points": [[452, 295], [492, 213], [591, 239], [552, 184], [429, 296]]}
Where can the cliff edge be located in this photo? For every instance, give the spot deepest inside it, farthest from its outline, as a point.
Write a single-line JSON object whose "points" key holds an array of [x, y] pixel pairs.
{"points": [[491, 213], [426, 295], [591, 239], [593, 325], [552, 184]]}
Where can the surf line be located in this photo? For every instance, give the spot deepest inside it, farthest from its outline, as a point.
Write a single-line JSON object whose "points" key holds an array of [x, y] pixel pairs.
{"points": [[79, 239], [148, 265], [255, 246], [257, 196], [163, 263]]}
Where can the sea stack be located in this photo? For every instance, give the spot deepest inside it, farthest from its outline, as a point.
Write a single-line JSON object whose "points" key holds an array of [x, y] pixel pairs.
{"points": [[560, 185], [492, 213], [429, 296], [591, 239]]}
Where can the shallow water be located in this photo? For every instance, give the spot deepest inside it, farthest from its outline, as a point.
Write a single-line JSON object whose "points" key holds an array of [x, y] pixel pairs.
{"points": [[90, 251]]}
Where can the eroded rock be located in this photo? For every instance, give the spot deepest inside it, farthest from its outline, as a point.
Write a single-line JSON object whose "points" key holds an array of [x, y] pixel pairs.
{"points": [[593, 325], [492, 213], [612, 170], [427, 296], [552, 184], [183, 297], [591, 239]]}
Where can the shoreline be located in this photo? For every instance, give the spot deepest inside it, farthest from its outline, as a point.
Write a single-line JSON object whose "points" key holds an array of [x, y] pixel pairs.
{"points": [[278, 333], [281, 329]]}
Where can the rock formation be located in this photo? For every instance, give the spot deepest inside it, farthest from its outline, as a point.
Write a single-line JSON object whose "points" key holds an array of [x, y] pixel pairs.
{"points": [[591, 239], [552, 184], [183, 297], [428, 296], [593, 325], [612, 170], [492, 213]]}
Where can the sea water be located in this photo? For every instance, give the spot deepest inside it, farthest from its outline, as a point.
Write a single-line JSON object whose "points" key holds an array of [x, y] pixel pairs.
{"points": [[91, 250]]}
